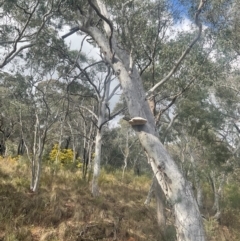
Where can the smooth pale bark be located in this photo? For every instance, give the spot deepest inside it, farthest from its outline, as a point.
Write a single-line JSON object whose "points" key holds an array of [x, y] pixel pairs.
{"points": [[125, 154], [160, 202], [176, 188], [38, 146], [217, 193], [103, 99], [150, 193], [197, 182], [188, 221], [73, 143], [96, 165], [199, 195], [98, 148], [87, 149], [36, 174]]}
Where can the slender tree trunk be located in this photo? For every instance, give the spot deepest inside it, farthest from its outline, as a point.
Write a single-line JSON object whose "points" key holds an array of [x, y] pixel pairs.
{"points": [[73, 143], [33, 173], [38, 169], [199, 195], [89, 165], [217, 191], [150, 193], [125, 154], [34, 154], [124, 166], [160, 204], [96, 165], [98, 149], [59, 141], [197, 182], [38, 147], [85, 150], [102, 109]]}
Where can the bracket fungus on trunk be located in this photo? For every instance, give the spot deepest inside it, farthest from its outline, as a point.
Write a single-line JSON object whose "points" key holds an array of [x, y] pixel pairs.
{"points": [[137, 121]]}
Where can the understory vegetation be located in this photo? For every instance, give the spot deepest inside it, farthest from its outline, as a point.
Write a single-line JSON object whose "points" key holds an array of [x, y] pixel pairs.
{"points": [[64, 208]]}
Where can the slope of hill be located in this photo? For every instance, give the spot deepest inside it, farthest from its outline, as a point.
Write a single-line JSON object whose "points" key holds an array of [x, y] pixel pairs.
{"points": [[64, 209]]}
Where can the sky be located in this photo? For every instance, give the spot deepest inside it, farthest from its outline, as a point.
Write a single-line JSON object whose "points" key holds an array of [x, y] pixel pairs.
{"points": [[74, 41], [177, 6]]}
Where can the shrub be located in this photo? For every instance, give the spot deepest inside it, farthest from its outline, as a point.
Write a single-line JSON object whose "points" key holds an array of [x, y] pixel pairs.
{"points": [[62, 156]]}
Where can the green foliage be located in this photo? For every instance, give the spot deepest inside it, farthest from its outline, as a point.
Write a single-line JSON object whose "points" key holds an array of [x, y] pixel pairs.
{"points": [[232, 196]]}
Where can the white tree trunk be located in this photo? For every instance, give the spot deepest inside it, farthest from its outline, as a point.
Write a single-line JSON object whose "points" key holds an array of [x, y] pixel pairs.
{"points": [[87, 150], [98, 148], [188, 221], [217, 191], [102, 109], [97, 163], [160, 202], [150, 193], [125, 154], [38, 145], [199, 195], [37, 174], [197, 182]]}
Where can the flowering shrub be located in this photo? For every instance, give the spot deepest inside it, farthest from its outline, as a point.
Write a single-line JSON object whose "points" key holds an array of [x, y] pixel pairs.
{"points": [[63, 156]]}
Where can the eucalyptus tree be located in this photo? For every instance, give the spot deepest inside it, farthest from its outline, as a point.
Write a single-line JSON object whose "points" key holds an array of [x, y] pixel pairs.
{"points": [[204, 134], [30, 120], [176, 188], [40, 97], [100, 79], [127, 140], [104, 115], [44, 114]]}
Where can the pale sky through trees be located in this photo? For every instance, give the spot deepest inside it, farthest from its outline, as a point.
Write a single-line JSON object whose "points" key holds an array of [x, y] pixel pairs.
{"points": [[74, 41]]}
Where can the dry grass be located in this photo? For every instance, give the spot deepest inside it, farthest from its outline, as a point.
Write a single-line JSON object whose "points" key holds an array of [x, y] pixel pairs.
{"points": [[64, 209]]}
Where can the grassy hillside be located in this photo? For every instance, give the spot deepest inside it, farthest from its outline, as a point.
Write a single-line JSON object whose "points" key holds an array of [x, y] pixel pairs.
{"points": [[64, 209]]}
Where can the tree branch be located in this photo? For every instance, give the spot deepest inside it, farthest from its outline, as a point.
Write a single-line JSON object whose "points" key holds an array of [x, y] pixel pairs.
{"points": [[106, 20], [184, 54]]}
